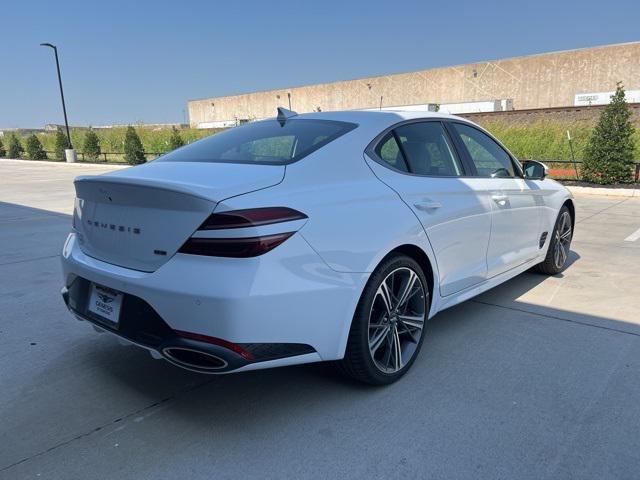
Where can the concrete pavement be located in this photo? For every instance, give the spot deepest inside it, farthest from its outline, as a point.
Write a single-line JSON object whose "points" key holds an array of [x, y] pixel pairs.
{"points": [[538, 378]]}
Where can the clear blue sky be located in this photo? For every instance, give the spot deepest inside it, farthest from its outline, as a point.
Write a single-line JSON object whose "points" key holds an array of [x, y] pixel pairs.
{"points": [[130, 61]]}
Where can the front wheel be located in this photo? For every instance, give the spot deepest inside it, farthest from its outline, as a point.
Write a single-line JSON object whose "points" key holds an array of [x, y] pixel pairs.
{"points": [[388, 326], [559, 245]]}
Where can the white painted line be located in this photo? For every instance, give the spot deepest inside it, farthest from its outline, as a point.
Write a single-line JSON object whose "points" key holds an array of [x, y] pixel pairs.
{"points": [[633, 237]]}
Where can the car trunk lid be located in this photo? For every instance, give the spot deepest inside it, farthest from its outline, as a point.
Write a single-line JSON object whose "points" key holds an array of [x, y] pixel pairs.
{"points": [[138, 218]]}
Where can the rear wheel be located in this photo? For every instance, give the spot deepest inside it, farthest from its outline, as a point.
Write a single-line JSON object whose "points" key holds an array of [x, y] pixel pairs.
{"points": [[559, 244], [388, 326]]}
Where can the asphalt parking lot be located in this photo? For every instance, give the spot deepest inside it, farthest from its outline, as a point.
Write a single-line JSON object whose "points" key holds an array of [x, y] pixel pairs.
{"points": [[538, 378]]}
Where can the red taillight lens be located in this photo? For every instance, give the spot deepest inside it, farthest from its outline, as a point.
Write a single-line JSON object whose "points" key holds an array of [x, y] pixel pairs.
{"points": [[234, 247], [253, 217], [217, 341], [242, 247]]}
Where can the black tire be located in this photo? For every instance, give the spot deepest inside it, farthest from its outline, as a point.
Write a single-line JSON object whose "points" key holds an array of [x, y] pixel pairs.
{"points": [[553, 263], [359, 362]]}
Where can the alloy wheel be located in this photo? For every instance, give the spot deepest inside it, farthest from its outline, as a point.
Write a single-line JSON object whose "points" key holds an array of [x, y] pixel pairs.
{"points": [[397, 319], [563, 240]]}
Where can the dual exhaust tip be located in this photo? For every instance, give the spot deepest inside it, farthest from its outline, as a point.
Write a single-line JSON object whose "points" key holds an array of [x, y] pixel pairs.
{"points": [[193, 359], [204, 354]]}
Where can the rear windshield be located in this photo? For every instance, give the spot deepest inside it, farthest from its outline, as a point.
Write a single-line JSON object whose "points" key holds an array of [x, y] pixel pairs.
{"points": [[265, 142]]}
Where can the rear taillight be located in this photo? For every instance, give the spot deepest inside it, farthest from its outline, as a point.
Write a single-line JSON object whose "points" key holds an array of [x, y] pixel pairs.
{"points": [[242, 247], [253, 217], [234, 247]]}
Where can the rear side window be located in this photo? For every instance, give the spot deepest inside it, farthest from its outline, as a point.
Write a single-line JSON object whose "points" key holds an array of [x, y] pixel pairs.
{"points": [[265, 142], [389, 151], [489, 158], [421, 148], [427, 149]]}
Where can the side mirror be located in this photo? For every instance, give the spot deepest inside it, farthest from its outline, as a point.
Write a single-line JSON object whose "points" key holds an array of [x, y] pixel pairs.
{"points": [[534, 170]]}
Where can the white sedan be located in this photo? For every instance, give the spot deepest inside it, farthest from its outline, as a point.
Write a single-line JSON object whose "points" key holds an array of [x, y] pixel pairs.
{"points": [[314, 237]]}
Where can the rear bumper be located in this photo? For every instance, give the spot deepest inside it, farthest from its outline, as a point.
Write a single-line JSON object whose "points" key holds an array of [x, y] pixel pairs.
{"points": [[287, 296]]}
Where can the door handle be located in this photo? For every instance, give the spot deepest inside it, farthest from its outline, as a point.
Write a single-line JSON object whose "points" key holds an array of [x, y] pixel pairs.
{"points": [[499, 199], [427, 206]]}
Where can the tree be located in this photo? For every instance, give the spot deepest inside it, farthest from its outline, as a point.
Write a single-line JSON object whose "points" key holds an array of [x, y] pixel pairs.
{"points": [[14, 147], [609, 152], [133, 150], [34, 148], [62, 143], [92, 145], [3, 152], [175, 140]]}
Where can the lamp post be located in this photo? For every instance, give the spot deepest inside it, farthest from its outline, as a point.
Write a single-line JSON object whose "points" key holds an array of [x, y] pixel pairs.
{"points": [[70, 153]]}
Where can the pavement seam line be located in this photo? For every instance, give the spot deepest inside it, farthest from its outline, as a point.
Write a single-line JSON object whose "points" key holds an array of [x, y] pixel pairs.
{"points": [[603, 210], [33, 217], [29, 260], [553, 317], [105, 425]]}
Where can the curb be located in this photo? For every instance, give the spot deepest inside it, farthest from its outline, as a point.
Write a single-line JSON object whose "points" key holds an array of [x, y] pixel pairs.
{"points": [[609, 192], [65, 164]]}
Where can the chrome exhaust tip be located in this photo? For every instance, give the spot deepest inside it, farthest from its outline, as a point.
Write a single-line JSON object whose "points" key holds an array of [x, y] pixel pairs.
{"points": [[193, 359]]}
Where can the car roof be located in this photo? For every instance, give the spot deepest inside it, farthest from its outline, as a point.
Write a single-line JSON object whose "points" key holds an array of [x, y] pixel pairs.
{"points": [[376, 117]]}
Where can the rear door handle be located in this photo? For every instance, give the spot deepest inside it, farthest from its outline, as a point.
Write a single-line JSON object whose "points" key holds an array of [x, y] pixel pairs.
{"points": [[499, 198], [427, 206]]}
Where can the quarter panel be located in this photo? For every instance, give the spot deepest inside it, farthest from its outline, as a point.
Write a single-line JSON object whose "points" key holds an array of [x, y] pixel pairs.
{"points": [[354, 218]]}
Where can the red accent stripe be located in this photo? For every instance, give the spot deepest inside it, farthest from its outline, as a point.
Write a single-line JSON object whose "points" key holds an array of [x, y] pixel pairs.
{"points": [[247, 355]]}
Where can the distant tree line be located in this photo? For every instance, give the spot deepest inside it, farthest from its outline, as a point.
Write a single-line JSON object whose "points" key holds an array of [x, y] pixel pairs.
{"points": [[132, 147]]}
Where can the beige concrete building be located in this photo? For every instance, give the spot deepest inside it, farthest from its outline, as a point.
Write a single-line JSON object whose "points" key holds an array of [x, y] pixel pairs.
{"points": [[545, 80]]}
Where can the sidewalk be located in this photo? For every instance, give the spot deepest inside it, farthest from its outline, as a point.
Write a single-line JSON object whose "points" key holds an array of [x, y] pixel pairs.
{"points": [[609, 192], [62, 164]]}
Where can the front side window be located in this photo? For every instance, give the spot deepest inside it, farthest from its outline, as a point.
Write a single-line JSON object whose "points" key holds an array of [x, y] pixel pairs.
{"points": [[265, 142], [489, 158]]}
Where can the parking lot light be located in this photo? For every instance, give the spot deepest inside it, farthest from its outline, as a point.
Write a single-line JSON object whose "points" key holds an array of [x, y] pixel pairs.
{"points": [[64, 108]]}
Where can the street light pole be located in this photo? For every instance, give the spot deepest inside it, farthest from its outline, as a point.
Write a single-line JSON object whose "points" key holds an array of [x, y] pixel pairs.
{"points": [[64, 108]]}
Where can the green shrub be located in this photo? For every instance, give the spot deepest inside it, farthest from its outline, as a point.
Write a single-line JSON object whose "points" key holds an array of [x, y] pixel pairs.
{"points": [[3, 152], [609, 154], [91, 145], [175, 140], [62, 143], [111, 140], [34, 148], [14, 149], [133, 150]]}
